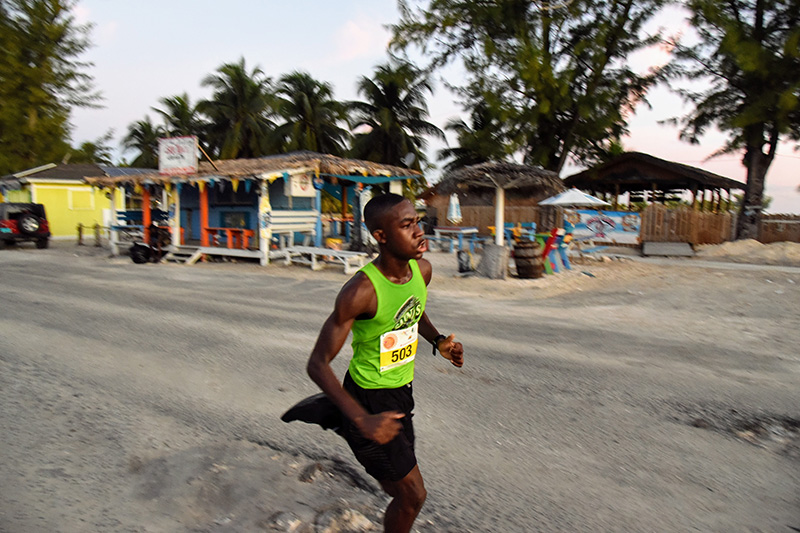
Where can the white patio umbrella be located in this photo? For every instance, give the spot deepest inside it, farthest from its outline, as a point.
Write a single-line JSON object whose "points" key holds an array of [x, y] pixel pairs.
{"points": [[574, 198], [454, 210]]}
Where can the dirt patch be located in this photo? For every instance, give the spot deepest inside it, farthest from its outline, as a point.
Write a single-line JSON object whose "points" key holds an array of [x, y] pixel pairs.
{"points": [[776, 433], [752, 251]]}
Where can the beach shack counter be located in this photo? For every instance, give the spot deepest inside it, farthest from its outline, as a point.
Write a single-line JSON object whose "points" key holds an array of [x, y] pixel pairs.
{"points": [[254, 208]]}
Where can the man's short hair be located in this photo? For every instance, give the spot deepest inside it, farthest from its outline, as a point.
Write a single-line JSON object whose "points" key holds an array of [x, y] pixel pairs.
{"points": [[376, 209]]}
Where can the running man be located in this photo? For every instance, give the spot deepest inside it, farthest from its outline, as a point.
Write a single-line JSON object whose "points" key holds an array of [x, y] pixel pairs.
{"points": [[384, 306]]}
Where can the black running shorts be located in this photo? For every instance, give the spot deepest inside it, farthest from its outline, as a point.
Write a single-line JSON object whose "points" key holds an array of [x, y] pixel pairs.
{"points": [[385, 462]]}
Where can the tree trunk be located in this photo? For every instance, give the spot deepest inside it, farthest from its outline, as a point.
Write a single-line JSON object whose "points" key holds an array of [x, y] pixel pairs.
{"points": [[750, 213]]}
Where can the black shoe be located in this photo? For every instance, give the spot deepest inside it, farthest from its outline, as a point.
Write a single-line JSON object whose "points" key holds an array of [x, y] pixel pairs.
{"points": [[317, 409]]}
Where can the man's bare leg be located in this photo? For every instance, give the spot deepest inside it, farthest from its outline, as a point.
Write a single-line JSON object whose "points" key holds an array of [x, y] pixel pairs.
{"points": [[408, 496]]}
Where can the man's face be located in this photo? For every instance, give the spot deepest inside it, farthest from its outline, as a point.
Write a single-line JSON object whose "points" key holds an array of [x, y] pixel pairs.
{"points": [[403, 236]]}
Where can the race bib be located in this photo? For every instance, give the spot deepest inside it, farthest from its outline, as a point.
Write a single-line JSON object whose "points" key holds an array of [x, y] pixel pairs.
{"points": [[398, 347]]}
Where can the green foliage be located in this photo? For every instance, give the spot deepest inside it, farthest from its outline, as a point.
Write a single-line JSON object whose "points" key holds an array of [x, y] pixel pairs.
{"points": [[311, 116], [394, 117], [555, 73], [748, 57], [41, 80], [97, 151], [180, 117], [143, 136], [239, 112], [750, 53], [484, 139]]}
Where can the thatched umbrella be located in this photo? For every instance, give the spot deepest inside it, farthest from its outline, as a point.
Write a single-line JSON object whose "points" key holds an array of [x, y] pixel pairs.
{"points": [[501, 177]]}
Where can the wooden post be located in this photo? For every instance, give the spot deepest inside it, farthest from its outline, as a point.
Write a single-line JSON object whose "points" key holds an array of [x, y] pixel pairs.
{"points": [[147, 217], [264, 222], [615, 205], [694, 197], [499, 215], [203, 213], [175, 212], [112, 233], [318, 207]]}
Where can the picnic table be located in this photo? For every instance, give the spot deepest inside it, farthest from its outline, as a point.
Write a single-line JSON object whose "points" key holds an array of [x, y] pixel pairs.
{"points": [[313, 256], [455, 232]]}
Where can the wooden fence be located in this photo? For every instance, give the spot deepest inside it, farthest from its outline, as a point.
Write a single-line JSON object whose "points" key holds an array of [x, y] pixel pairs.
{"points": [[482, 216], [776, 228], [660, 224]]}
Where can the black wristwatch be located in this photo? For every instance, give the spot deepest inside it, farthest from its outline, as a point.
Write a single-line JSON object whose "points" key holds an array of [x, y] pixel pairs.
{"points": [[436, 342]]}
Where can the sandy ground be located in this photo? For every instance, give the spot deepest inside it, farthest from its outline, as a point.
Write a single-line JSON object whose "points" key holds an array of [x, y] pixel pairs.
{"points": [[618, 396]]}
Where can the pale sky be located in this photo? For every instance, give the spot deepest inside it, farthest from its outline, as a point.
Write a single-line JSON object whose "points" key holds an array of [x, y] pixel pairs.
{"points": [[147, 50]]}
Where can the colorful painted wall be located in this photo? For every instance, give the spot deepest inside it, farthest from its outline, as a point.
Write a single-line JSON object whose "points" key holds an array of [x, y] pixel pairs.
{"points": [[67, 204]]}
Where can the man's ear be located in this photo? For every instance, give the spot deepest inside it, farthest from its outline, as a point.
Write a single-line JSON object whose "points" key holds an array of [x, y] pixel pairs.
{"points": [[380, 236]]}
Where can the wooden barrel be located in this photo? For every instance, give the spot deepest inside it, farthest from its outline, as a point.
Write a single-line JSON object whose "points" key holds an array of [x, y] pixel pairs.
{"points": [[528, 259]]}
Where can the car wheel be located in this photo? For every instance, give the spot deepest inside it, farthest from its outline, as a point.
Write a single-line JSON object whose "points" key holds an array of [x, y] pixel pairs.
{"points": [[42, 243], [140, 254], [28, 224], [2, 244]]}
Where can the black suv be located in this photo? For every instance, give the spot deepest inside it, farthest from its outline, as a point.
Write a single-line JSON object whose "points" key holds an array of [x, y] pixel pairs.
{"points": [[23, 222]]}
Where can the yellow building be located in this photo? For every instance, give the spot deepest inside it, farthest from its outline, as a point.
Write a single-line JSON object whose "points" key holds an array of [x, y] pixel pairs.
{"points": [[68, 200]]}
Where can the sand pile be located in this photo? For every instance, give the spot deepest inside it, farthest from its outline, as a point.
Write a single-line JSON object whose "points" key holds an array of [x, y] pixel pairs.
{"points": [[752, 251]]}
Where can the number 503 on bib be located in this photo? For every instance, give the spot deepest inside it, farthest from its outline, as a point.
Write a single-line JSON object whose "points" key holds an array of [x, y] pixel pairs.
{"points": [[398, 347]]}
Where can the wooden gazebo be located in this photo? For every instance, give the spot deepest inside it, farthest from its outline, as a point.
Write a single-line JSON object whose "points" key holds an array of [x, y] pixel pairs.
{"points": [[495, 178], [652, 178]]}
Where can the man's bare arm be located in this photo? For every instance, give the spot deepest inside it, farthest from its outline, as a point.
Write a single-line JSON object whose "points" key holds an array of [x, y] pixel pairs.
{"points": [[450, 350], [356, 298]]}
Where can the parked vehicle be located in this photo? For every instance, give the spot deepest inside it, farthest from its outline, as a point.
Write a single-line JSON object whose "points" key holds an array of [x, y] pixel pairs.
{"points": [[153, 251], [23, 222]]}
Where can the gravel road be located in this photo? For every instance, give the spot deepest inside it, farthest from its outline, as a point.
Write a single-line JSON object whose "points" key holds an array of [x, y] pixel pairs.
{"points": [[146, 398]]}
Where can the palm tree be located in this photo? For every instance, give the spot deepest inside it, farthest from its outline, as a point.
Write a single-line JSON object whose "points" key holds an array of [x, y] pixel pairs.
{"points": [[97, 151], [394, 113], [482, 141], [180, 117], [239, 112], [143, 136], [312, 115]]}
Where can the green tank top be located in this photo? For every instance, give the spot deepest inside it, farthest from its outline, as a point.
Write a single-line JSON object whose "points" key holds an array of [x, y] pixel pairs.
{"points": [[384, 346]]}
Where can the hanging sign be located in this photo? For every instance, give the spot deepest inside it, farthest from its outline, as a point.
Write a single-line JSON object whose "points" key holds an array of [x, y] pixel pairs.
{"points": [[177, 155], [299, 185]]}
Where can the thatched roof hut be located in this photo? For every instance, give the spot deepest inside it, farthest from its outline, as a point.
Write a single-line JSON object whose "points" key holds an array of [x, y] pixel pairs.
{"points": [[488, 184], [325, 165], [490, 176]]}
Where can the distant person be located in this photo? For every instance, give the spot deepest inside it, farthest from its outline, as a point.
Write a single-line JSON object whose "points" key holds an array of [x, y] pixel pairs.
{"points": [[383, 304]]}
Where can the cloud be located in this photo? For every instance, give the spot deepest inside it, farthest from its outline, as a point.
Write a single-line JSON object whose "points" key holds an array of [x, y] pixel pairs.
{"points": [[81, 13], [360, 37]]}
